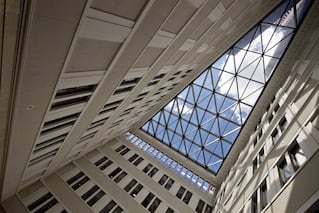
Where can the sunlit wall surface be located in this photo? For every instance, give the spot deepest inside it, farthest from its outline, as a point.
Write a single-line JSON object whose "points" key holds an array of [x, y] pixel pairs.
{"points": [[203, 120]]}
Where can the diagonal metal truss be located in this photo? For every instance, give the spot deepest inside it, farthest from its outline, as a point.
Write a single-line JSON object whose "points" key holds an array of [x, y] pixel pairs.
{"points": [[203, 121]]}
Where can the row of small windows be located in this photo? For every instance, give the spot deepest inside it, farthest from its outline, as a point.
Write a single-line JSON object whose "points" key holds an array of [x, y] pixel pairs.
{"points": [[43, 204], [133, 187], [93, 194], [164, 181], [168, 162]]}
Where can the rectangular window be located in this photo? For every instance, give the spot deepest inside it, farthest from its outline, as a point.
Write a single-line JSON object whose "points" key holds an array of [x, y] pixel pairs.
{"points": [[275, 135], [180, 192], [136, 190], [138, 161], [124, 151], [147, 168], [169, 184], [297, 156], [120, 177], [208, 209], [163, 179], [200, 206], [75, 178], [131, 159], [148, 199], [187, 197], [118, 210], [96, 198], [90, 192], [264, 195], [130, 185], [39, 201], [115, 172], [255, 165], [169, 210], [97, 163], [283, 124], [254, 203], [47, 206], [261, 155], [108, 207], [284, 171], [153, 172], [105, 165], [80, 183], [154, 205], [119, 148]]}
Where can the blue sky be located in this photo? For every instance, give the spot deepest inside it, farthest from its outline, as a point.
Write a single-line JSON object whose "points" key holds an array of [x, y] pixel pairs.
{"points": [[204, 119]]}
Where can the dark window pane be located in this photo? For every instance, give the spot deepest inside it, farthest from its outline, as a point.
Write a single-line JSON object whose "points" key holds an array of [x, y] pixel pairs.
{"points": [[108, 207], [163, 179], [130, 185], [154, 205], [137, 189], [169, 184], [47, 206], [118, 210], [131, 159], [187, 197], [75, 178], [96, 198], [169, 210], [120, 177], [80, 183], [119, 148], [90, 192], [200, 206], [100, 161], [148, 199], [138, 161], [105, 165], [208, 209], [125, 151], [39, 201], [180, 192], [115, 172], [153, 172], [147, 168]]}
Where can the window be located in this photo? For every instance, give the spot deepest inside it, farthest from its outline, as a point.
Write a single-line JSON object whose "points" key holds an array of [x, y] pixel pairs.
{"points": [[169, 210], [208, 209], [187, 197], [169, 184], [105, 165], [261, 155], [297, 156], [130, 185], [39, 201], [118, 210], [125, 151], [96, 198], [200, 206], [153, 172], [137, 189], [115, 172], [147, 168], [80, 183], [163, 179], [180, 192], [148, 199], [97, 163], [108, 207], [275, 135], [75, 178], [119, 148], [154, 205], [131, 159], [264, 194], [120, 177], [255, 165], [90, 192], [138, 161], [284, 171], [254, 203]]}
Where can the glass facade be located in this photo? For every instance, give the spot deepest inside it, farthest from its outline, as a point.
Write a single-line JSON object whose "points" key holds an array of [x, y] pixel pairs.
{"points": [[203, 121]]}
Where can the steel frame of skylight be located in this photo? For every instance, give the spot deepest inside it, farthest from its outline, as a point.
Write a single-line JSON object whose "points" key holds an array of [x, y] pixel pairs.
{"points": [[203, 121]]}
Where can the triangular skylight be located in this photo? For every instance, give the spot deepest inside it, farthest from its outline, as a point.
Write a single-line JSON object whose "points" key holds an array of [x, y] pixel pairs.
{"points": [[203, 121]]}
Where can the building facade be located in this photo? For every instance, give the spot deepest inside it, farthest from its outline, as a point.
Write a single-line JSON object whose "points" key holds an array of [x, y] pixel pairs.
{"points": [[80, 78]]}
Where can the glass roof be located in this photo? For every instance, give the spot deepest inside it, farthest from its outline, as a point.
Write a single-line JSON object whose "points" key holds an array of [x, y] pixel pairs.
{"points": [[203, 121]]}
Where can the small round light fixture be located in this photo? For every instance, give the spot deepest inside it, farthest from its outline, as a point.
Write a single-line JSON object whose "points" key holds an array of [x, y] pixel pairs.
{"points": [[31, 107]]}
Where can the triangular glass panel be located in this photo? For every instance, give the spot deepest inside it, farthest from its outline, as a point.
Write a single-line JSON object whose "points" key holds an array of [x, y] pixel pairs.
{"points": [[270, 64], [248, 71], [200, 79], [208, 81], [220, 63], [204, 94], [230, 63], [256, 43], [275, 16], [278, 50], [244, 42]]}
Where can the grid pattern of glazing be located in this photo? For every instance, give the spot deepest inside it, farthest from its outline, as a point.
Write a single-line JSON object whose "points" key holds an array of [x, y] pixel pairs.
{"points": [[203, 120], [168, 162]]}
